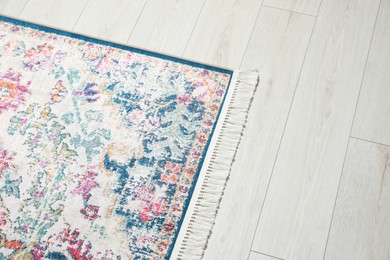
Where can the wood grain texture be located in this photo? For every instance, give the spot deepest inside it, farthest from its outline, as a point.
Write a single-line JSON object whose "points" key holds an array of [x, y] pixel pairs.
{"points": [[361, 222], [59, 13], [166, 25], [297, 212], [372, 120], [12, 7], [222, 32], [257, 256], [277, 48], [112, 20], [309, 7]]}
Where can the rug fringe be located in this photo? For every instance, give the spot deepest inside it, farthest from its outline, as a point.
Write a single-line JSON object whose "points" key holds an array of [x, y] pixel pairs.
{"points": [[207, 204]]}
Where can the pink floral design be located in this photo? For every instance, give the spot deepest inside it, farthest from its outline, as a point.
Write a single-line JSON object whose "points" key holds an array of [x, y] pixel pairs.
{"points": [[77, 247], [184, 99], [152, 123], [42, 57], [6, 161], [90, 212], [3, 219], [85, 184], [136, 116], [12, 91]]}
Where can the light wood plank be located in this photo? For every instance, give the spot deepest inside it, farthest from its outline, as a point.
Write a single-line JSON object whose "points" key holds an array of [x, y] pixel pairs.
{"points": [[258, 256], [12, 7], [223, 31], [166, 25], [309, 7], [59, 13], [113, 20], [295, 220], [361, 222], [277, 48], [372, 120]]}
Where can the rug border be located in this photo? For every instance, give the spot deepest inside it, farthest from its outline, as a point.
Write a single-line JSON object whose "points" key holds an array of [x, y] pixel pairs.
{"points": [[202, 168], [114, 44], [206, 154]]}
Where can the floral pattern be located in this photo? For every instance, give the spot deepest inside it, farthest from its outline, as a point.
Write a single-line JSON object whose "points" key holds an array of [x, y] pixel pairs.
{"points": [[12, 91], [100, 147]]}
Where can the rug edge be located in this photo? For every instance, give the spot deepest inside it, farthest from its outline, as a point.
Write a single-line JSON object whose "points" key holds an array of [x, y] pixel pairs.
{"points": [[115, 44], [201, 213]]}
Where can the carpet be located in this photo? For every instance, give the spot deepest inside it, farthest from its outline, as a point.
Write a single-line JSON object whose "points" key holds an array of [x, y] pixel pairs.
{"points": [[109, 151]]}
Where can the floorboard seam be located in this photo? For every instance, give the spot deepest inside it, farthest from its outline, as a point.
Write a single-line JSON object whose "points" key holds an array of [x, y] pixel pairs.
{"points": [[353, 120], [136, 22], [23, 8], [369, 141], [193, 28], [251, 34], [284, 129], [267, 255], [78, 18], [291, 11]]}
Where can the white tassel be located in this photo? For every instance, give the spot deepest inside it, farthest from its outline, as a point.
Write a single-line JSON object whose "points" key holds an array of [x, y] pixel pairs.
{"points": [[207, 203]]}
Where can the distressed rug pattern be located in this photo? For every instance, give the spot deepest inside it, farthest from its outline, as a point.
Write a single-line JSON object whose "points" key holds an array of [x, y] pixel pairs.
{"points": [[100, 146]]}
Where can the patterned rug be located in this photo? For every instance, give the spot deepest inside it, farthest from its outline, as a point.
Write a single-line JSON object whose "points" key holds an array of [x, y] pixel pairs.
{"points": [[110, 152]]}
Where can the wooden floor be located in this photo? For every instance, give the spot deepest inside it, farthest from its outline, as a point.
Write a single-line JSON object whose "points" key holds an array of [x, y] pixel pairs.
{"points": [[312, 175]]}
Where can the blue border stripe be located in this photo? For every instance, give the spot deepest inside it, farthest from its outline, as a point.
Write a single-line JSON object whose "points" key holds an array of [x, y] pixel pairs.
{"points": [[156, 55], [114, 45], [198, 170]]}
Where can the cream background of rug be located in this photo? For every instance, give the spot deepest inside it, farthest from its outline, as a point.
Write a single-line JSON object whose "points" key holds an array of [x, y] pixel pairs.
{"points": [[342, 29]]}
